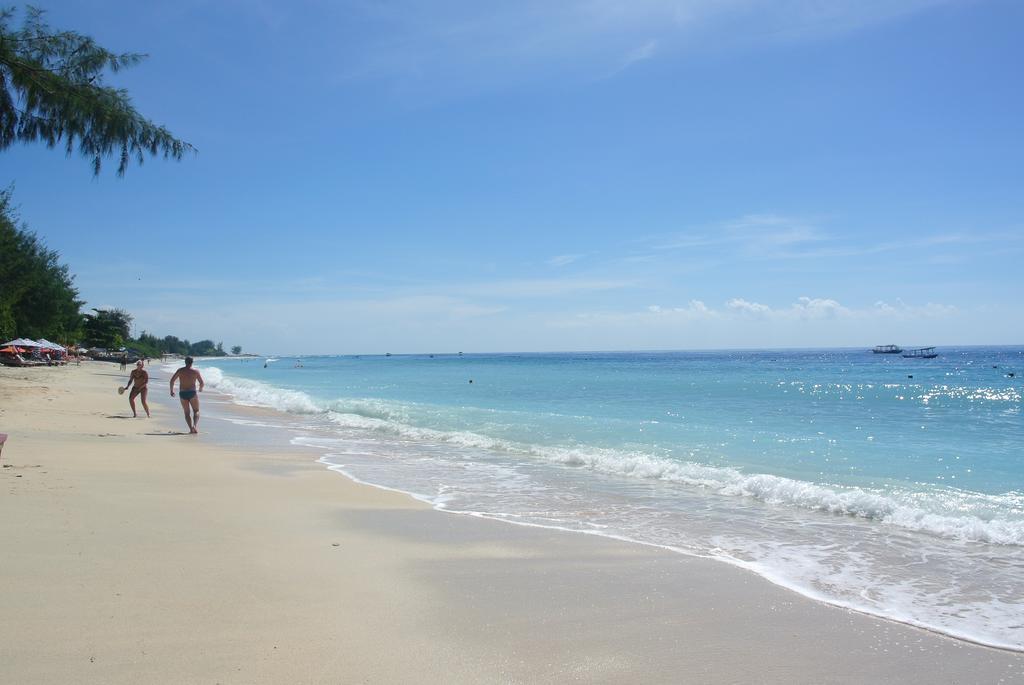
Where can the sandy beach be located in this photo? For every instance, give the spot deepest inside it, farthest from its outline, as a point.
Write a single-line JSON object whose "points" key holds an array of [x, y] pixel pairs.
{"points": [[133, 553]]}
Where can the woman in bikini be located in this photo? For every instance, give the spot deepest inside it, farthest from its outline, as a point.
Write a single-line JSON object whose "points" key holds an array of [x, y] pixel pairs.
{"points": [[141, 379]]}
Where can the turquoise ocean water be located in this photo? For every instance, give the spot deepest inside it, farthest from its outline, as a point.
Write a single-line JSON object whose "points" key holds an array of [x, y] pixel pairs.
{"points": [[892, 486]]}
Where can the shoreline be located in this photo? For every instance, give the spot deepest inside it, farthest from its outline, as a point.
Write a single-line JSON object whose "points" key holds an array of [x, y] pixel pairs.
{"points": [[467, 598], [686, 553], [292, 405]]}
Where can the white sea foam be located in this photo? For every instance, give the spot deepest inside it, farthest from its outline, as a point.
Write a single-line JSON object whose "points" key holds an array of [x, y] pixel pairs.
{"points": [[948, 513], [956, 588], [255, 393]]}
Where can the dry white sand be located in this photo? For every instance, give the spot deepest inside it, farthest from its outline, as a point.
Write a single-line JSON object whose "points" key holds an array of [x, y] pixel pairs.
{"points": [[130, 553]]}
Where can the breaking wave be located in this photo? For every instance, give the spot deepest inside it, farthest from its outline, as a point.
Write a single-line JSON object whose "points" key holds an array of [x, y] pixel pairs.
{"points": [[945, 512]]}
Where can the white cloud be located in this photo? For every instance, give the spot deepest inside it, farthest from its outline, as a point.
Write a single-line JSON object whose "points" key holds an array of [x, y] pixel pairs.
{"points": [[819, 308], [903, 311], [638, 54], [768, 236], [884, 307], [563, 260], [804, 308], [740, 322], [698, 307], [645, 51], [540, 287], [771, 230], [738, 304], [757, 236], [828, 308], [694, 310], [417, 39]]}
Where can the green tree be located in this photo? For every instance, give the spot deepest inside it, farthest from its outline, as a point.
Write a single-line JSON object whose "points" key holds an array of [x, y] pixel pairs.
{"points": [[107, 328], [173, 345], [150, 340], [205, 348], [38, 298], [147, 344], [236, 350], [52, 91]]}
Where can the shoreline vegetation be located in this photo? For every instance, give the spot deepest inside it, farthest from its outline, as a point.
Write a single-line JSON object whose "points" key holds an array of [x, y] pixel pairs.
{"points": [[143, 553]]}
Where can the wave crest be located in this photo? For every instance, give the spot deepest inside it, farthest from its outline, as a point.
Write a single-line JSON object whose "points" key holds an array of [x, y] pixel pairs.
{"points": [[947, 513]]}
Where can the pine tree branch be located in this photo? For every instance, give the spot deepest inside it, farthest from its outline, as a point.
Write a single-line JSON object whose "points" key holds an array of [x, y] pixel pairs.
{"points": [[57, 78]]}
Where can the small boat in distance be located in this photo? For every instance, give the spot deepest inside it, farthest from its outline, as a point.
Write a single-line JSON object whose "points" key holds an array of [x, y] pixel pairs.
{"points": [[921, 353], [887, 349]]}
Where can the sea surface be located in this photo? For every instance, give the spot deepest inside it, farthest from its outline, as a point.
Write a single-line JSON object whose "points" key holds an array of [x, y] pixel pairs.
{"points": [[887, 485]]}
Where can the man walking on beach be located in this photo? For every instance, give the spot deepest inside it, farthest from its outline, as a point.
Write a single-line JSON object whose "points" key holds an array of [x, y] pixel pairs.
{"points": [[141, 379], [187, 378]]}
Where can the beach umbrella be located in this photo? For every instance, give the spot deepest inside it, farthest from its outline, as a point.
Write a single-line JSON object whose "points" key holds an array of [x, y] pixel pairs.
{"points": [[22, 342], [9, 350], [43, 342]]}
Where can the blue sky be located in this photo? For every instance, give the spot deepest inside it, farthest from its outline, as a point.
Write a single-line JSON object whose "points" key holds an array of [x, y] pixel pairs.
{"points": [[414, 176]]}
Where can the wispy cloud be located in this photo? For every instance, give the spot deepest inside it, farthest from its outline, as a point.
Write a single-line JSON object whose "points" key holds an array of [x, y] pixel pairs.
{"points": [[542, 287], [771, 236], [759, 235], [639, 54], [418, 40], [564, 259]]}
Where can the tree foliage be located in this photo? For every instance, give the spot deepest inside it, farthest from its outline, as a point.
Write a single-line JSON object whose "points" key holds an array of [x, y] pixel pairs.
{"points": [[109, 328], [52, 91], [236, 350], [173, 345], [146, 345], [206, 348], [38, 298]]}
